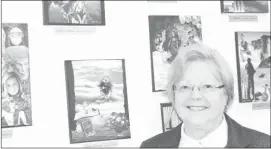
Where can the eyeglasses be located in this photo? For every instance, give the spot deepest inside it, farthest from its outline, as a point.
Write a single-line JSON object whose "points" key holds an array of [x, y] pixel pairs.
{"points": [[203, 88]]}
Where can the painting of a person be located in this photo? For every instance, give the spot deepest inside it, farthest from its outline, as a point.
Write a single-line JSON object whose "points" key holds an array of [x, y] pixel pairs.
{"points": [[105, 86], [244, 50], [18, 57], [14, 104], [201, 90], [250, 73], [79, 13]]}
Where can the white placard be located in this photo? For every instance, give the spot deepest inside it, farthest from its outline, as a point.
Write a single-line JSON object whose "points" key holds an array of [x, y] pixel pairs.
{"points": [[7, 133], [102, 144], [75, 30], [243, 18], [260, 105]]}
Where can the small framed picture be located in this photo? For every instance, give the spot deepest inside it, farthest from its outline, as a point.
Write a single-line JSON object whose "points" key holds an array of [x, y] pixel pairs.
{"points": [[15, 80], [97, 100], [168, 34], [248, 6], [169, 117], [253, 66], [79, 13]]}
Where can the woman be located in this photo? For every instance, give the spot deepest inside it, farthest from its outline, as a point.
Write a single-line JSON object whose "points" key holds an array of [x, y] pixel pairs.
{"points": [[201, 89], [79, 13], [14, 107]]}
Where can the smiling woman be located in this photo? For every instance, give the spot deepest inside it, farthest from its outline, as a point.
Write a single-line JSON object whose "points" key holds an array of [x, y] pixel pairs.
{"points": [[201, 90]]}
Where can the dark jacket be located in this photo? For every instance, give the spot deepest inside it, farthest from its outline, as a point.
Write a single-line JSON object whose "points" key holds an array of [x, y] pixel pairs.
{"points": [[238, 137]]}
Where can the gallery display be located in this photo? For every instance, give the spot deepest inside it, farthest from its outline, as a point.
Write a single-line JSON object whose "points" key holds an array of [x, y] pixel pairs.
{"points": [[253, 65], [97, 100], [73, 13], [167, 35], [15, 84], [96, 89], [169, 117], [249, 6]]}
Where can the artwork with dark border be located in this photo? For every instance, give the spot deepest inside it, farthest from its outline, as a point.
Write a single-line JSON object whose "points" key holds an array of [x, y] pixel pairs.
{"points": [[248, 6], [253, 66], [168, 34], [97, 100], [74, 13], [15, 76], [169, 117]]}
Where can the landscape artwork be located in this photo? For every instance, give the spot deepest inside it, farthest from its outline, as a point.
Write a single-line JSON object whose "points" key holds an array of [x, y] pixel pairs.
{"points": [[97, 100], [78, 13], [248, 6], [168, 34], [253, 66]]}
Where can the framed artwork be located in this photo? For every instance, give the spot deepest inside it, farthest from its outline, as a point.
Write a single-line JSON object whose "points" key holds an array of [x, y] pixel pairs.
{"points": [[253, 66], [97, 100], [168, 34], [80, 13], [169, 117], [249, 6], [15, 80]]}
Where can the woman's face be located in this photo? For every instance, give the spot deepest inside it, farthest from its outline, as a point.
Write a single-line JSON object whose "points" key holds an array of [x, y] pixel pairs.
{"points": [[12, 86], [196, 107], [16, 39]]}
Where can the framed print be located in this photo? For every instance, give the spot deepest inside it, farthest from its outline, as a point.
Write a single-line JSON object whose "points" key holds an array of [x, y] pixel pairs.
{"points": [[169, 117], [253, 66], [88, 13], [15, 84], [248, 6], [97, 100], [168, 34]]}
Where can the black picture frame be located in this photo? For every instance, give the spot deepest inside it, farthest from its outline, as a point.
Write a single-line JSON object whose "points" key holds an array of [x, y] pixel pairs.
{"points": [[241, 60], [45, 6], [185, 32], [222, 8], [23, 79], [167, 111], [71, 97]]}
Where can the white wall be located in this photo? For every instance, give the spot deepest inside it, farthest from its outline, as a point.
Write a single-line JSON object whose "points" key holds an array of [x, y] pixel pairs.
{"points": [[125, 35]]}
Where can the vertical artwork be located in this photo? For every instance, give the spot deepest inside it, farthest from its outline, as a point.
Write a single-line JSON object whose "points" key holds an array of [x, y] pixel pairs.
{"points": [[15, 80], [249, 6], [169, 117], [168, 34], [97, 100], [73, 12], [253, 65]]}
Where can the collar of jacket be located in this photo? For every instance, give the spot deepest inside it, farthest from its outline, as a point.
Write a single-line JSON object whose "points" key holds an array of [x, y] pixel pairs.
{"points": [[236, 135]]}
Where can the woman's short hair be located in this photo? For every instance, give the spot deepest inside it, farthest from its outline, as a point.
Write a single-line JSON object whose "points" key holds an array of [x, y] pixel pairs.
{"points": [[200, 52]]}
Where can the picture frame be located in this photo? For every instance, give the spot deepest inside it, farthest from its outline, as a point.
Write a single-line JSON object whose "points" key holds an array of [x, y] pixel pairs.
{"points": [[254, 76], [74, 13], [169, 117], [242, 7], [97, 100], [15, 76], [167, 35]]}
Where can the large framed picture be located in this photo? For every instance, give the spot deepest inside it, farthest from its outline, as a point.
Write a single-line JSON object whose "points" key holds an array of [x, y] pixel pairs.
{"points": [[97, 100], [253, 66], [169, 117], [168, 34], [15, 80], [248, 6], [80, 13]]}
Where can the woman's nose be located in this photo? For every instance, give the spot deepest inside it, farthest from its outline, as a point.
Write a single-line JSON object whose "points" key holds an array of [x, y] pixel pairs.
{"points": [[196, 95]]}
